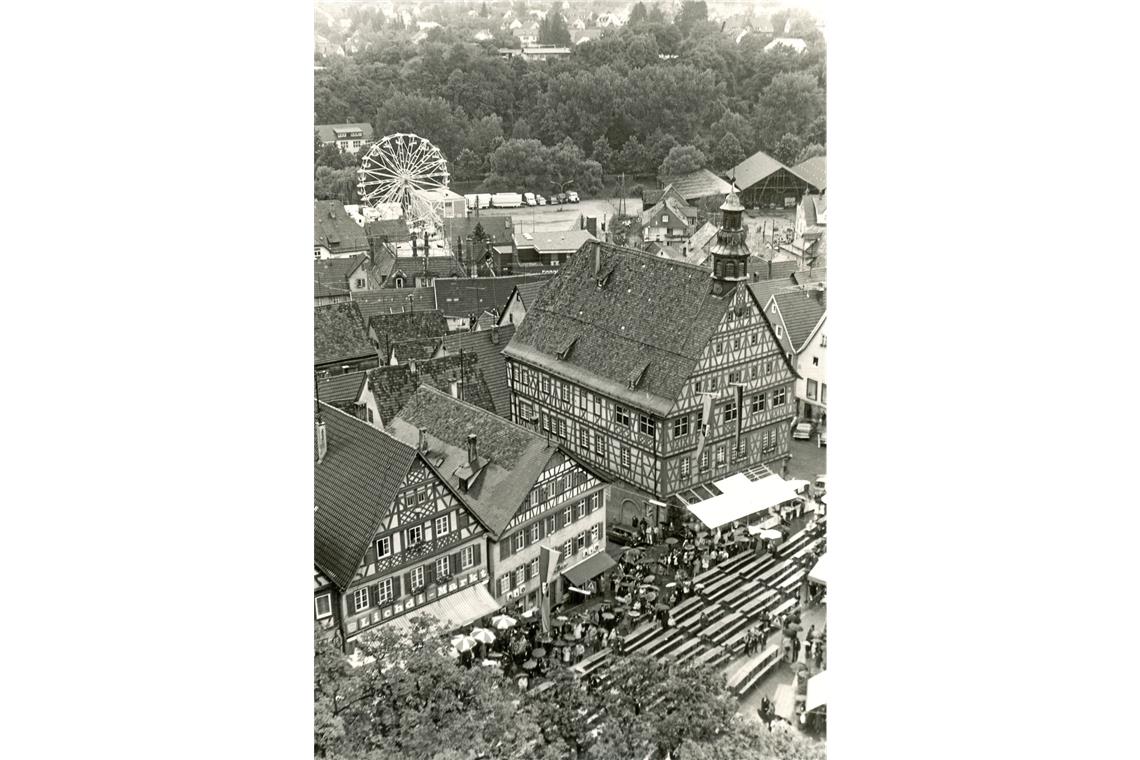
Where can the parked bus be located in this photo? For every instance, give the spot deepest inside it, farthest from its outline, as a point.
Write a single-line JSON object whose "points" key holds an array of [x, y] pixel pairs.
{"points": [[506, 200]]}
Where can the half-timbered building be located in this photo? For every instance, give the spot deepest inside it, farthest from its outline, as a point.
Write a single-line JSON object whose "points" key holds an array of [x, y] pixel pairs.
{"points": [[392, 538], [524, 487], [658, 373]]}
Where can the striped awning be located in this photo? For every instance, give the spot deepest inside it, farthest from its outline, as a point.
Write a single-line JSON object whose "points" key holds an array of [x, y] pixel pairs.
{"points": [[452, 611]]}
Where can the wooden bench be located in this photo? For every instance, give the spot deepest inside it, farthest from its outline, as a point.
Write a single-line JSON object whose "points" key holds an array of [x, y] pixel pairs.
{"points": [[745, 678], [691, 603], [734, 645], [692, 620], [762, 602], [785, 606], [732, 564], [634, 637], [744, 591], [730, 624], [592, 663], [689, 648], [712, 657], [663, 644], [709, 575]]}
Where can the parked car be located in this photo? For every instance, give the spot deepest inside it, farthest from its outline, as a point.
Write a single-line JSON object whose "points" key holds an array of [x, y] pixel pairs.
{"points": [[572, 196], [819, 487], [528, 199], [623, 536], [561, 198], [803, 431], [821, 437], [541, 200]]}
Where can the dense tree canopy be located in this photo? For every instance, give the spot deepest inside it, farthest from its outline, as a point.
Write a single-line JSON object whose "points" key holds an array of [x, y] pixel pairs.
{"points": [[641, 89]]}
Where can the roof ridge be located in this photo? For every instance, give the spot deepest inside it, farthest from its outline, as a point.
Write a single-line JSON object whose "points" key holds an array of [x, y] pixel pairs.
{"points": [[480, 410]]}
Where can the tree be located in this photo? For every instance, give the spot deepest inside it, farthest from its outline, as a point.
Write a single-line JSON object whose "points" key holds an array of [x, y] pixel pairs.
{"points": [[810, 151], [691, 14], [335, 185], [569, 167], [791, 103], [682, 159], [483, 10], [519, 163], [788, 148], [637, 14], [521, 130], [728, 152], [552, 30], [601, 152], [633, 155]]}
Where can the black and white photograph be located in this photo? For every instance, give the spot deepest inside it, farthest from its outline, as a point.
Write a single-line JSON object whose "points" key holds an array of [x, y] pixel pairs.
{"points": [[570, 331]]}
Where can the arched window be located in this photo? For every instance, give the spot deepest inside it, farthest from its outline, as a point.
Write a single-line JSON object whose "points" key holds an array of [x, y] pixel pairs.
{"points": [[399, 282]]}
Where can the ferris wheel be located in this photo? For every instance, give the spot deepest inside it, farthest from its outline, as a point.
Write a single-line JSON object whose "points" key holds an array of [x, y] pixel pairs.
{"points": [[403, 171]]}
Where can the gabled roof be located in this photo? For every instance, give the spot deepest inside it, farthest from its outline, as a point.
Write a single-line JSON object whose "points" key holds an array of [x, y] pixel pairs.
{"points": [[332, 132], [335, 230], [338, 333], [392, 386], [758, 166], [394, 300], [463, 296], [553, 242], [341, 391], [802, 310], [700, 184], [330, 276], [487, 348], [391, 230], [650, 311], [413, 266], [528, 291], [516, 457], [704, 236], [390, 329], [353, 489], [814, 170]]}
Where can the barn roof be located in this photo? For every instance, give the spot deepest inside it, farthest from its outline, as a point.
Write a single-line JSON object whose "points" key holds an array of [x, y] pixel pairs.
{"points": [[757, 167], [814, 170]]}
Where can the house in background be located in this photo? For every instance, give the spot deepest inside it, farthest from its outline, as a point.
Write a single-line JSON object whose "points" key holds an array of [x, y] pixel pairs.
{"points": [[459, 237], [351, 394], [670, 220], [486, 346], [350, 138], [457, 375], [661, 375], [335, 234], [814, 170], [797, 306], [522, 297], [390, 235], [701, 189], [335, 280], [546, 251], [794, 43], [417, 270], [393, 301], [340, 341], [391, 536], [765, 182], [527, 490], [460, 299]]}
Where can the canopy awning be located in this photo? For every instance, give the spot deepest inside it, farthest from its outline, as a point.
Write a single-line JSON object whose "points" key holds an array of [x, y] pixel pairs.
{"points": [[816, 691], [741, 497], [588, 568], [452, 611], [818, 574]]}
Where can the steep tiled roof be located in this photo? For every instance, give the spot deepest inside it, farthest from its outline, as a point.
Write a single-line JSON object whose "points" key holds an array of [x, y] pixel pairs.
{"points": [[545, 242], [814, 170], [650, 310], [487, 348], [392, 386], [394, 300], [339, 333], [354, 487], [412, 266], [802, 310], [528, 291], [390, 329], [460, 297], [392, 230], [341, 391], [335, 230], [700, 184], [328, 132], [516, 457], [756, 167], [330, 276]]}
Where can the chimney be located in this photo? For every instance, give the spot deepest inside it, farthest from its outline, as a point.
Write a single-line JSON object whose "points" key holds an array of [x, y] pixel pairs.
{"points": [[415, 244], [471, 450], [597, 259], [322, 439], [495, 334], [412, 366], [423, 443]]}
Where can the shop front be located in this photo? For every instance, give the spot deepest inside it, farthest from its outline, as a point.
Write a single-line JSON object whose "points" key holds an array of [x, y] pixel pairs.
{"points": [[582, 581]]}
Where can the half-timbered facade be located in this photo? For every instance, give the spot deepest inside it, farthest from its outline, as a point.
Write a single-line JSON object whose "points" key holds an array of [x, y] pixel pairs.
{"points": [[651, 370], [392, 538], [523, 486]]}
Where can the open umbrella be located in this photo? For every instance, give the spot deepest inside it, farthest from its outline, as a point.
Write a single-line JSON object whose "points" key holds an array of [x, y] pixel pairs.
{"points": [[503, 622], [538, 653], [530, 613], [672, 540], [608, 616], [662, 606], [463, 643], [649, 578], [530, 665], [671, 584], [634, 614], [562, 619], [482, 635], [770, 535]]}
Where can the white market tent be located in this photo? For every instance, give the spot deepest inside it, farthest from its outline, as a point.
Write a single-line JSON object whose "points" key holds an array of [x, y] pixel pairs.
{"points": [[741, 496], [816, 691], [818, 574]]}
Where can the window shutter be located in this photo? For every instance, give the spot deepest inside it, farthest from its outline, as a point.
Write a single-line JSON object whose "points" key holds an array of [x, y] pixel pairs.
{"points": [[478, 558], [408, 582], [504, 547], [429, 573], [455, 563], [588, 537], [558, 521], [395, 587], [463, 518]]}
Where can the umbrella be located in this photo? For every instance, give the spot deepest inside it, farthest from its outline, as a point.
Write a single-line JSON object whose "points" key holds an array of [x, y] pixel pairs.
{"points": [[503, 622], [649, 578], [608, 616], [530, 665], [463, 643], [770, 535], [482, 635], [671, 584], [562, 619], [538, 652], [672, 540], [452, 652], [703, 534], [634, 614], [530, 612], [662, 606]]}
